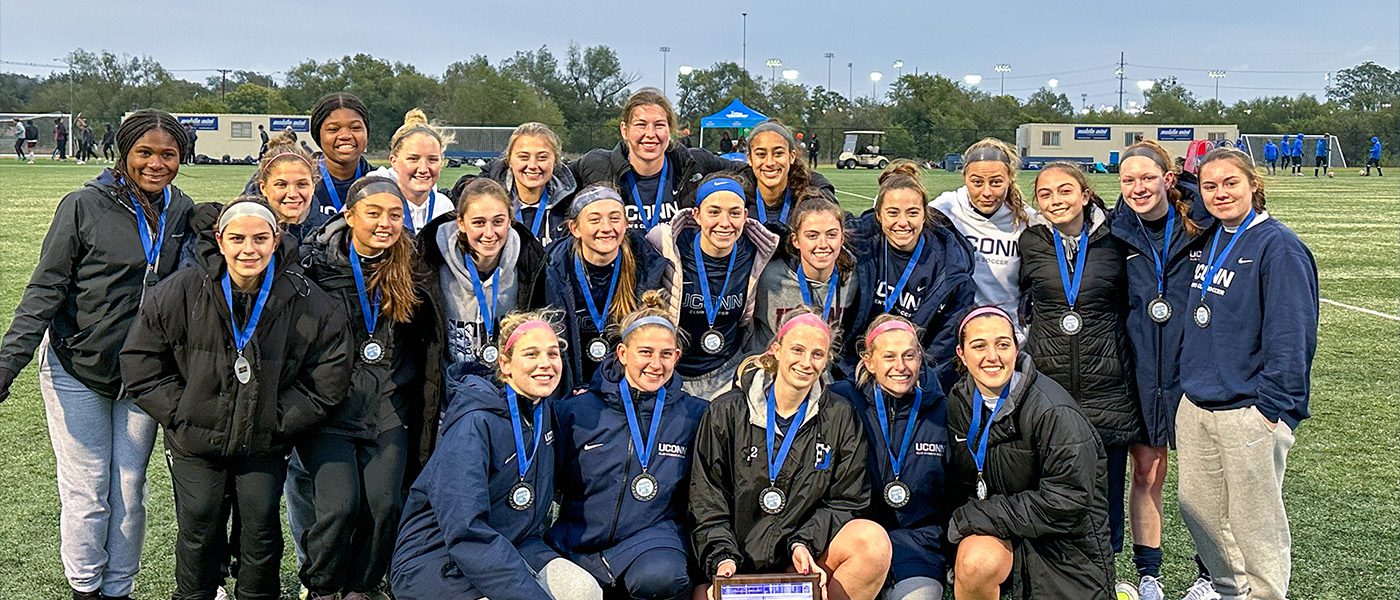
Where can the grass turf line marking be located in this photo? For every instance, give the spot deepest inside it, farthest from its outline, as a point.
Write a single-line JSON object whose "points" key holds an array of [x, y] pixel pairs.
{"points": [[1361, 310], [856, 195]]}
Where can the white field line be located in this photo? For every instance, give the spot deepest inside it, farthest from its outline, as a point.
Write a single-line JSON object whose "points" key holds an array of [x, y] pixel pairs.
{"points": [[856, 195], [1362, 310]]}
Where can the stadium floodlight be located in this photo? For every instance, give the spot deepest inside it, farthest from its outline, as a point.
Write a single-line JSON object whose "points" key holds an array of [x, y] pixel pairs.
{"points": [[773, 65], [790, 74], [1053, 83], [1217, 75], [898, 68], [875, 77], [1145, 84], [972, 79], [1003, 69], [686, 69]]}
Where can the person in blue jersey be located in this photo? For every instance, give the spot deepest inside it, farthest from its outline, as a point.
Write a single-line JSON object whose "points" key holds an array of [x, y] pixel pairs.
{"points": [[812, 267], [906, 422], [1322, 151], [912, 263], [357, 460], [1025, 474], [415, 162], [532, 169], [1271, 156], [597, 275], [1246, 363], [1373, 158], [1159, 219], [340, 127], [779, 477], [624, 471], [716, 255], [657, 177], [108, 243], [475, 518], [235, 358], [1076, 287], [778, 174], [287, 178], [1297, 148]]}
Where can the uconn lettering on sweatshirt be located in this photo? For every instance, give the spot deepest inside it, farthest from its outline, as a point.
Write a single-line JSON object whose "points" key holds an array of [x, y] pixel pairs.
{"points": [[908, 302], [994, 251], [696, 301], [1220, 283], [668, 210]]}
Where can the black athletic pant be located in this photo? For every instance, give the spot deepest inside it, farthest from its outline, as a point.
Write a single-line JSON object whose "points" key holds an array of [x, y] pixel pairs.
{"points": [[202, 506], [62, 149], [357, 489], [19, 148]]}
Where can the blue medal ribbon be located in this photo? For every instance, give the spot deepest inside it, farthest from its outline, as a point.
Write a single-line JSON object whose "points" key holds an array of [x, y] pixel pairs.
{"points": [[599, 317], [712, 308], [368, 310], [151, 241], [643, 448], [522, 461], [897, 462], [763, 210], [1218, 261], [1071, 286], [540, 210], [1159, 258], [660, 196], [243, 335], [807, 293], [327, 181], [488, 316], [775, 465], [898, 290], [408, 212], [979, 452]]}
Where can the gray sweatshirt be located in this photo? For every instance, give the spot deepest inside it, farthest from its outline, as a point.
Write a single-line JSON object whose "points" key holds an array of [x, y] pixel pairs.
{"points": [[466, 331]]}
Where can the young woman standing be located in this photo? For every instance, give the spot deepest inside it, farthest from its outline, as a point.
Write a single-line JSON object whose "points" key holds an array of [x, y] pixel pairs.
{"points": [[812, 268], [287, 179], [340, 126], [716, 256], [778, 174], [598, 274], [624, 467], [532, 169], [1246, 363], [1028, 471], [108, 244], [357, 460], [235, 358], [913, 264], [905, 416], [657, 177], [473, 521], [415, 162], [779, 473], [989, 211]]}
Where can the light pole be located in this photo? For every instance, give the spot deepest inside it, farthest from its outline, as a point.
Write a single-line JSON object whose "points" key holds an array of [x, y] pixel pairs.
{"points": [[1052, 84], [898, 68], [1217, 75], [71, 77], [744, 58], [972, 79], [829, 56], [773, 65], [1002, 68], [851, 81], [875, 77], [665, 73]]}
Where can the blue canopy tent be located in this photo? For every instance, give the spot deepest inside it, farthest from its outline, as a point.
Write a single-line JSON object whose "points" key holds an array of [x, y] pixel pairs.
{"points": [[734, 116]]}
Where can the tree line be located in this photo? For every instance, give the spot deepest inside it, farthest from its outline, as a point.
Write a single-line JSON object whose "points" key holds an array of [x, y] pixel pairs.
{"points": [[580, 94]]}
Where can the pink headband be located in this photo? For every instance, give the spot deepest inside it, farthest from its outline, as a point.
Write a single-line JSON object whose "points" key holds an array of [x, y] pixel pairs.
{"points": [[982, 312], [804, 319], [524, 328], [887, 326]]}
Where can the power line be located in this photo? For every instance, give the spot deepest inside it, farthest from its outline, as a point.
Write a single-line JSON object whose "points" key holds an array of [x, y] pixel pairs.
{"points": [[1259, 72]]}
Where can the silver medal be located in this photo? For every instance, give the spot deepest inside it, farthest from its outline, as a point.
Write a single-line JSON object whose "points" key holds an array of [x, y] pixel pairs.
{"points": [[597, 349], [1071, 323], [489, 353], [896, 493], [644, 487], [981, 488], [242, 369], [772, 500], [372, 351], [712, 342], [1202, 316], [522, 496], [1159, 310]]}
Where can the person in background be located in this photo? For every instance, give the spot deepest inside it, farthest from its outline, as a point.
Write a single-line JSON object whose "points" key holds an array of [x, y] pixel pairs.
{"points": [[286, 178], [31, 139], [262, 135], [1246, 366], [109, 243], [1297, 149], [108, 139], [60, 139], [1373, 158], [19, 140], [541, 186], [87, 144], [415, 162], [726, 145], [1271, 156], [778, 175], [814, 148], [1321, 152], [194, 139]]}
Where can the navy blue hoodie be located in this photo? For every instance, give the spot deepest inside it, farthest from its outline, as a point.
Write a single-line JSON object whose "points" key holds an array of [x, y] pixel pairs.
{"points": [[916, 529], [601, 527], [1157, 346], [937, 295], [560, 294], [456, 519], [1259, 347]]}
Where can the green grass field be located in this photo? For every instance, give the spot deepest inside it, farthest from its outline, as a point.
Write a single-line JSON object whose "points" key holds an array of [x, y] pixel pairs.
{"points": [[1341, 487]]}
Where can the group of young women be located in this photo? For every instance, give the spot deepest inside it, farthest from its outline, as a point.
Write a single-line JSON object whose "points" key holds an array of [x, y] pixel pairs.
{"points": [[650, 368]]}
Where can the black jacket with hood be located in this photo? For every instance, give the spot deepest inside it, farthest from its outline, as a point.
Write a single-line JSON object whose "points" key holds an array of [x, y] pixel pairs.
{"points": [[89, 283], [824, 478], [178, 360], [561, 188], [687, 166], [1046, 478]]}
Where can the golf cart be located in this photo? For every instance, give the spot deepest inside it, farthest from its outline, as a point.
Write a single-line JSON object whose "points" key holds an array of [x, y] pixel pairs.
{"points": [[862, 148]]}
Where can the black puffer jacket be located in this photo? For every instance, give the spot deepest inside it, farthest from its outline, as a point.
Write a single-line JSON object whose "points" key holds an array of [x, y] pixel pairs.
{"points": [[1046, 476], [1095, 365], [178, 360], [824, 477], [687, 167], [89, 282]]}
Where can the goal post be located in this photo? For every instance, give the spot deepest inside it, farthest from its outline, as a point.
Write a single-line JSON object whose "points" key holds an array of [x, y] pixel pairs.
{"points": [[476, 143], [44, 122], [1254, 143]]}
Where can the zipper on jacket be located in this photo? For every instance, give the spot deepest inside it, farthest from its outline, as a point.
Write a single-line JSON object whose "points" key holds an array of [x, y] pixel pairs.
{"points": [[621, 495]]}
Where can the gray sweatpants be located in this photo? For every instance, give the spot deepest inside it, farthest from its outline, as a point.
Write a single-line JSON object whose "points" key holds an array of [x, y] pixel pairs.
{"points": [[1230, 467]]}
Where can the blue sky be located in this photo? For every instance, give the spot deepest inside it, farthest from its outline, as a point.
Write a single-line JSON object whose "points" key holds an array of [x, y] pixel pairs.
{"points": [[1265, 48]]}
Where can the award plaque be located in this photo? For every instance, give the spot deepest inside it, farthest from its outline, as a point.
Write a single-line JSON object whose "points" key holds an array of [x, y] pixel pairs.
{"points": [[790, 586]]}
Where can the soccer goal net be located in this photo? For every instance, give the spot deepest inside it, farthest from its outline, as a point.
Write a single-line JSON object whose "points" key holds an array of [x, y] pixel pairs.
{"points": [[1255, 143], [44, 122], [477, 143]]}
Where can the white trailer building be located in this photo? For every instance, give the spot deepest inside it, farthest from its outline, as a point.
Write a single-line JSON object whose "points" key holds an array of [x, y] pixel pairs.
{"points": [[1040, 143], [236, 136]]}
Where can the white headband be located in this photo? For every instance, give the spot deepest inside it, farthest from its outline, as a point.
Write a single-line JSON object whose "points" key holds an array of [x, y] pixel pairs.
{"points": [[246, 209]]}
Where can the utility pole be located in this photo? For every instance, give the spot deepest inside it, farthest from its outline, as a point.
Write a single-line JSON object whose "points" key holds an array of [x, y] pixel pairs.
{"points": [[223, 81], [665, 75], [851, 81], [744, 57], [829, 56], [1121, 64]]}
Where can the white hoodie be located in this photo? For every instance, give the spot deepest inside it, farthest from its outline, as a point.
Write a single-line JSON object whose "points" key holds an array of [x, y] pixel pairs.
{"points": [[997, 245]]}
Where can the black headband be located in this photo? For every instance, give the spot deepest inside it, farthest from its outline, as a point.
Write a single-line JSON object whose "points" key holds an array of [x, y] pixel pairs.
{"points": [[369, 186], [985, 153], [1145, 152]]}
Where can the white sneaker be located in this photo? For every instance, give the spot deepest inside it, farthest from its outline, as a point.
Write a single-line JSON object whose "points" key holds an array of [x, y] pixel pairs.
{"points": [[221, 594], [1151, 589], [1201, 590], [1125, 591]]}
